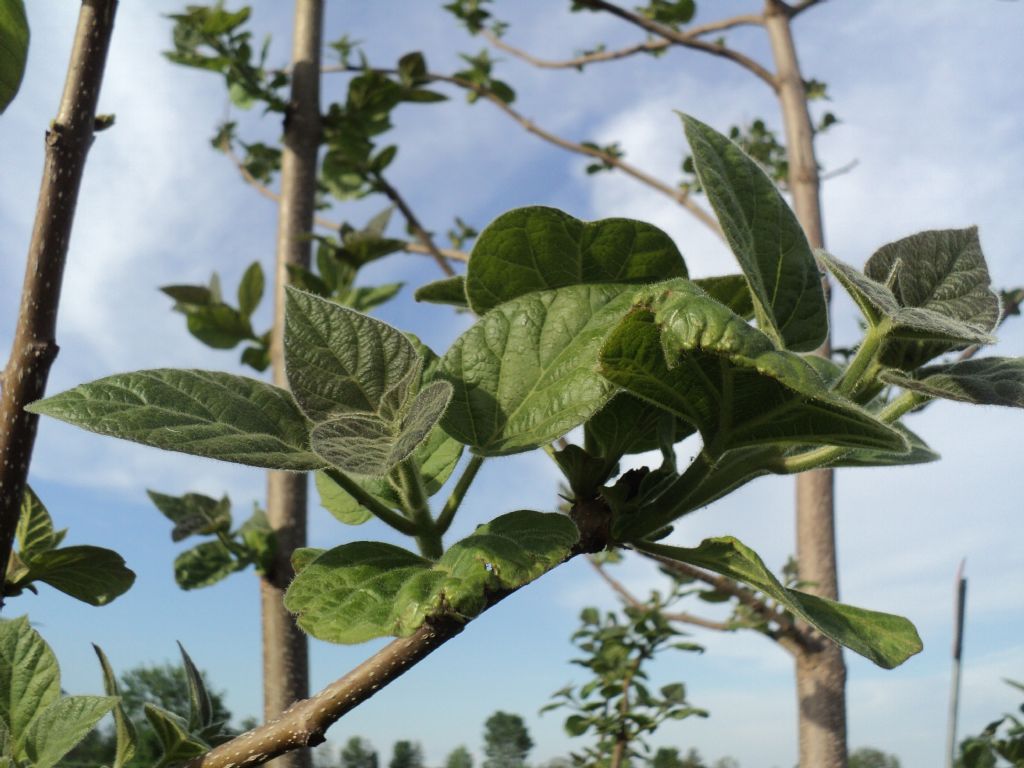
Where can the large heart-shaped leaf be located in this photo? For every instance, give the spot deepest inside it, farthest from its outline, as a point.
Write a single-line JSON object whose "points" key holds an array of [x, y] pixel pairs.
{"points": [[524, 374], [537, 249], [13, 49], [193, 513], [885, 639], [94, 575], [340, 361], [367, 444], [360, 591], [981, 380], [766, 238], [57, 729], [943, 271], [692, 356], [29, 676], [203, 413]]}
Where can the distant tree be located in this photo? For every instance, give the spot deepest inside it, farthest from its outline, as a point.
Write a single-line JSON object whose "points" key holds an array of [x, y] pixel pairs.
{"points": [[868, 757], [506, 741], [406, 754], [358, 753], [459, 758], [667, 757]]}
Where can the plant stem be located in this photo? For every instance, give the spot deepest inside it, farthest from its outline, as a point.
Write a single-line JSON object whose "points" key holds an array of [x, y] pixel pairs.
{"points": [[451, 506], [414, 501], [376, 508], [862, 371], [34, 347]]}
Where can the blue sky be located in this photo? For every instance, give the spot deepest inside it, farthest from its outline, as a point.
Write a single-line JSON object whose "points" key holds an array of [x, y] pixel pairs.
{"points": [[930, 106]]}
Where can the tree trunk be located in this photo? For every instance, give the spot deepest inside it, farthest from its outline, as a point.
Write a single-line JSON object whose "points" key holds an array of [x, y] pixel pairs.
{"points": [[35, 347], [285, 648], [821, 675]]}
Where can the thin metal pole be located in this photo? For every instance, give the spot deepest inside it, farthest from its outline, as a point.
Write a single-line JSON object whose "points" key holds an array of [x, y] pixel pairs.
{"points": [[958, 646]]}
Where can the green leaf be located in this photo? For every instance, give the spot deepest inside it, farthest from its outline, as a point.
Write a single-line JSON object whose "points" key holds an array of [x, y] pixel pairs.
{"points": [[766, 238], [451, 290], [919, 453], [13, 49], [943, 271], [303, 556], [203, 413], [204, 565], [177, 744], [94, 575], [359, 591], [193, 513], [630, 425], [585, 473], [885, 639], [366, 444], [690, 355], [35, 527], [731, 290], [980, 380], [524, 374], [198, 295], [536, 249], [258, 537], [365, 298], [341, 362], [57, 729], [250, 289], [199, 705], [218, 325], [29, 676], [125, 735]]}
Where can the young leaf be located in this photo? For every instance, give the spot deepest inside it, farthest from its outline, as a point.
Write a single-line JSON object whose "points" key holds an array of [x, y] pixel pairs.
{"points": [[943, 271], [57, 729], [766, 238], [193, 513], [919, 453], [199, 705], [94, 575], [177, 743], [701, 362], [524, 373], [731, 290], [258, 537], [629, 425], [35, 527], [536, 249], [125, 735], [885, 639], [29, 676], [250, 289], [342, 362], [365, 298], [203, 413], [217, 325], [204, 565], [360, 591], [981, 380], [366, 444], [13, 49], [451, 290]]}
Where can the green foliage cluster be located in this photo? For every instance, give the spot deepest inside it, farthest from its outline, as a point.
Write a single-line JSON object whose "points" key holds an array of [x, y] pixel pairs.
{"points": [[1000, 743]]}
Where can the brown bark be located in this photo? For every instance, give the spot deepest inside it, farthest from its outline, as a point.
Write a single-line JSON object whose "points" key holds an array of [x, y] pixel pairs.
{"points": [[821, 674], [285, 648], [35, 347]]}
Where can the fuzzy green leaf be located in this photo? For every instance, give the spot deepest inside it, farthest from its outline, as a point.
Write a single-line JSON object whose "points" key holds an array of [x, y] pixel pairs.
{"points": [[57, 729], [94, 575], [919, 453], [981, 380], [199, 704], [766, 238], [451, 290], [366, 444], [341, 362], [628, 425], [125, 735], [13, 49], [250, 289], [29, 676], [193, 513], [203, 413], [943, 271], [885, 639], [204, 565], [690, 355], [537, 249], [217, 325], [177, 743], [731, 290], [35, 532], [360, 591], [524, 374]]}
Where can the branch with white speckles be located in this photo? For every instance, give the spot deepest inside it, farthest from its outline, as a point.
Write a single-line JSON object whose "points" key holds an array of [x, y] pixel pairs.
{"points": [[34, 348]]}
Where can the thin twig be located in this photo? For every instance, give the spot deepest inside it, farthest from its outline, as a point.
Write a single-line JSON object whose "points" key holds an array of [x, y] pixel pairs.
{"points": [[631, 599], [682, 197], [840, 171], [34, 347], [425, 238], [684, 39], [803, 6]]}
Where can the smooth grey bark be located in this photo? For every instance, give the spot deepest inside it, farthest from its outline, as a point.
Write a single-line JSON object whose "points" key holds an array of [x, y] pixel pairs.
{"points": [[34, 348], [285, 647]]}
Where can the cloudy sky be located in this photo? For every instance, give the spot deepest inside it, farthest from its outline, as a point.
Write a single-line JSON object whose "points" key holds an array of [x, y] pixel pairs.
{"points": [[929, 99]]}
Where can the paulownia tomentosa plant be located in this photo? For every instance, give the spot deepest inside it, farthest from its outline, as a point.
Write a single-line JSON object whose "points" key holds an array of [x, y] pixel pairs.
{"points": [[594, 325]]}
